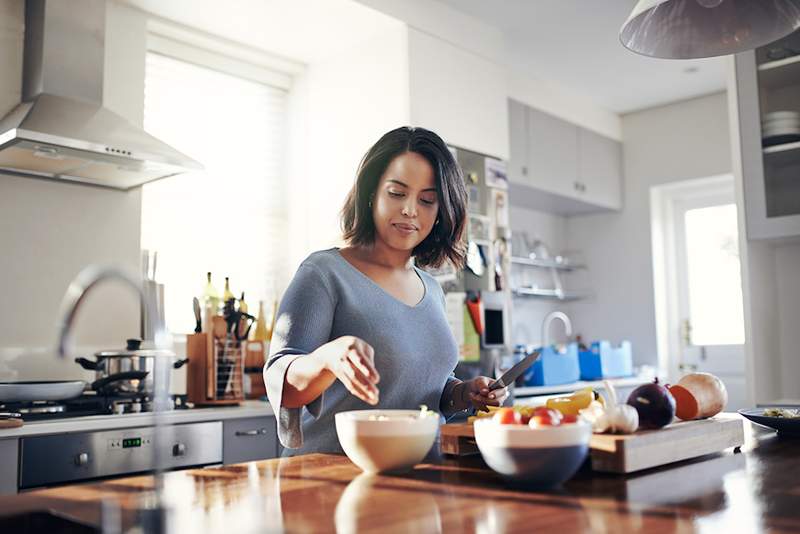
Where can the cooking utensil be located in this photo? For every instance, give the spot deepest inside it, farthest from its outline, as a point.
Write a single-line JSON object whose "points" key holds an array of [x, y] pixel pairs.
{"points": [[196, 304], [40, 391], [121, 382], [133, 358], [786, 426], [509, 376]]}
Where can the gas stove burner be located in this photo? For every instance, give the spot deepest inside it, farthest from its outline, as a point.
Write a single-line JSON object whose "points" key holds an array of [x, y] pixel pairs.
{"points": [[90, 403]]}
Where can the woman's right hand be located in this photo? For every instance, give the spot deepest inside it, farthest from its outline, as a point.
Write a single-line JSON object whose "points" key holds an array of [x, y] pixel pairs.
{"points": [[352, 360]]}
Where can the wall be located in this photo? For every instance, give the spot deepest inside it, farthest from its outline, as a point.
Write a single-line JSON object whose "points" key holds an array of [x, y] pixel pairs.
{"points": [[339, 108], [669, 143], [50, 230]]}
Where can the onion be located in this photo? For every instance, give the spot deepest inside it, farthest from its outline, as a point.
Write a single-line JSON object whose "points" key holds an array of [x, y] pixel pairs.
{"points": [[699, 395], [655, 404]]}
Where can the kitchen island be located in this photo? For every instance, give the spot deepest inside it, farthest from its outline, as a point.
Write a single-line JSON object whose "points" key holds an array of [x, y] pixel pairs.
{"points": [[755, 490]]}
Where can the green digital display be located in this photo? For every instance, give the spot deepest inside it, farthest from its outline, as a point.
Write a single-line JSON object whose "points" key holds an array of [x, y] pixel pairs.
{"points": [[131, 442]]}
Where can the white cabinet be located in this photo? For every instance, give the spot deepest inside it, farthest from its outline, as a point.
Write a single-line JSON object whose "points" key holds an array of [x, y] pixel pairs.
{"points": [[559, 167], [769, 173], [459, 95]]}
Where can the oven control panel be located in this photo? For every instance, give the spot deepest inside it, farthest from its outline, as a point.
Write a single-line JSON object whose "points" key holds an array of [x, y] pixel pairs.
{"points": [[56, 459]]}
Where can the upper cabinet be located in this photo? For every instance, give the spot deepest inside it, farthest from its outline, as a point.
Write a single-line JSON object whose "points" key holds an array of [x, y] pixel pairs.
{"points": [[458, 94], [767, 125], [559, 167]]}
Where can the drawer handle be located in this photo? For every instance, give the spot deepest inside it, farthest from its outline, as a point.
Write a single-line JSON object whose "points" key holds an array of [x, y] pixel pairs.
{"points": [[259, 432]]}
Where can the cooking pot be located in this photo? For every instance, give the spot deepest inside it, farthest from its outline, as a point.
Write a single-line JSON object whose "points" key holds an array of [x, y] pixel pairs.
{"points": [[138, 365]]}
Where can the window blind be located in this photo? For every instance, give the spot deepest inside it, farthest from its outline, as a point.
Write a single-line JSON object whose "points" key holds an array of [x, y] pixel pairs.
{"points": [[231, 218]]}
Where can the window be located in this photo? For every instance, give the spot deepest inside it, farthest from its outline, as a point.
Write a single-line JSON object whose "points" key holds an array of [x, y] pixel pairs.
{"points": [[715, 283], [231, 218]]}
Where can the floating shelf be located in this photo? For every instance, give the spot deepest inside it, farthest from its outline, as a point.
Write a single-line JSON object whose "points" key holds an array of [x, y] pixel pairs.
{"points": [[533, 391], [547, 264], [549, 294]]}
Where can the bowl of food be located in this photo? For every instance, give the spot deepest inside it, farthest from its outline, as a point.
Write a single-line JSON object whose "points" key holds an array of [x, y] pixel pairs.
{"points": [[387, 440], [539, 448]]}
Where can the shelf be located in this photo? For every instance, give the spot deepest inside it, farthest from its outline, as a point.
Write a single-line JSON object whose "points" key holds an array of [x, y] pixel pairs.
{"points": [[547, 264], [549, 294], [785, 154], [575, 386], [780, 73]]}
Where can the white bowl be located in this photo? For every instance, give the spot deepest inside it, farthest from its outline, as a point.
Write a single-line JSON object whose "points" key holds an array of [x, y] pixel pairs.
{"points": [[386, 440], [545, 456]]}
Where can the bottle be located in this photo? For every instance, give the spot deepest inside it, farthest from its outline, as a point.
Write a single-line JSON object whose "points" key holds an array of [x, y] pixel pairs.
{"points": [[210, 295], [261, 333], [227, 294]]}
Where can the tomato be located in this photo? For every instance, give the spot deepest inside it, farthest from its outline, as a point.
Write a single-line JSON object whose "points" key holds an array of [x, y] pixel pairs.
{"points": [[570, 419], [544, 416], [505, 416], [522, 416]]}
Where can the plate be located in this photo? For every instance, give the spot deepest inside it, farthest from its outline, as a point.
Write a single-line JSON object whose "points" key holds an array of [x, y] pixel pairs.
{"points": [[784, 426]]}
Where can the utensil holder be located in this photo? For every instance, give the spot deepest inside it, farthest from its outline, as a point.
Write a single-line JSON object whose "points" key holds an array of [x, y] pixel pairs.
{"points": [[216, 370]]}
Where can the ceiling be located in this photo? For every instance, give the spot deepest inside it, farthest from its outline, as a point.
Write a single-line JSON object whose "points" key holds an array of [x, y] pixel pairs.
{"points": [[576, 43]]}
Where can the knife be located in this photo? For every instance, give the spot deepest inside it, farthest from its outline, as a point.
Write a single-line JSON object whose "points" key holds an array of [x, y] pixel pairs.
{"points": [[518, 368], [196, 304]]}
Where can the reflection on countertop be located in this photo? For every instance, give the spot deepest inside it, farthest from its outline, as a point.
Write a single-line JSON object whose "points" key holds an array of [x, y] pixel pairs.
{"points": [[755, 490]]}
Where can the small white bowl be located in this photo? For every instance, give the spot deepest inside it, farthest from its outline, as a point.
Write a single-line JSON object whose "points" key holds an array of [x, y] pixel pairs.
{"points": [[543, 457], [386, 440]]}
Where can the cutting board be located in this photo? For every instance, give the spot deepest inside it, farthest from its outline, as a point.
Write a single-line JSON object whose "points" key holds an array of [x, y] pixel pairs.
{"points": [[612, 453]]}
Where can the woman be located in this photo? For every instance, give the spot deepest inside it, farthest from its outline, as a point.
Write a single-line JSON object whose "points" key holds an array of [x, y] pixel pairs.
{"points": [[362, 326]]}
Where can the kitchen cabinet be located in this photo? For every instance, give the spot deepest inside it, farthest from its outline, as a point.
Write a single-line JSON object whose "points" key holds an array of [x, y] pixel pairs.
{"points": [[770, 168], [252, 438], [8, 465], [459, 95], [559, 167]]}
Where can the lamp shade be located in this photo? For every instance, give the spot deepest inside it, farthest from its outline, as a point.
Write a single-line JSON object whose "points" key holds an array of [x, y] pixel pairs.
{"points": [[687, 29]]}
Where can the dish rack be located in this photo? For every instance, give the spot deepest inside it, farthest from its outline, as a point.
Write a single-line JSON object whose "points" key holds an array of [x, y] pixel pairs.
{"points": [[215, 374]]}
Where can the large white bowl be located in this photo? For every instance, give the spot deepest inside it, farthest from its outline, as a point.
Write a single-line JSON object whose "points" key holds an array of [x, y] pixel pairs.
{"points": [[546, 456], [393, 444]]}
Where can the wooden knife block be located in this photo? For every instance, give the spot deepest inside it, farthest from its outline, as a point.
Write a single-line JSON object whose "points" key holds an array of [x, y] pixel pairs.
{"points": [[202, 383]]}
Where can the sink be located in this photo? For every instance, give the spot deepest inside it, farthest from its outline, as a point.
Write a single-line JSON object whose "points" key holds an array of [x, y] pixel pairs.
{"points": [[44, 521]]}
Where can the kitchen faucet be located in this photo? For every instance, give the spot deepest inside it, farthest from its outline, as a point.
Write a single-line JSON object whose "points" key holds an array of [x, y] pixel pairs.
{"points": [[154, 516], [547, 322]]}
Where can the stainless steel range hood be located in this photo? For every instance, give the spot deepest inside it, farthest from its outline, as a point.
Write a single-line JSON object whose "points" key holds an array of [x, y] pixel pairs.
{"points": [[61, 129]]}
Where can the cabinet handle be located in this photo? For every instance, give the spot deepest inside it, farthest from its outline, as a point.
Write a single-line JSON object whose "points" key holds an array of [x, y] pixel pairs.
{"points": [[259, 432]]}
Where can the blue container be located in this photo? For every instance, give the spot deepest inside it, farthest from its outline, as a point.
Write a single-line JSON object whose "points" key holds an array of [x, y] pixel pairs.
{"points": [[605, 361], [554, 367]]}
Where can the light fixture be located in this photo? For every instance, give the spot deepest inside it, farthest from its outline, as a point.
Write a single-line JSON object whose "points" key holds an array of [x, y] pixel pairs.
{"points": [[687, 29]]}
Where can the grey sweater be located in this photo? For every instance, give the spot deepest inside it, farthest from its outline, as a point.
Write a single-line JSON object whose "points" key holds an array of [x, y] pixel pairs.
{"points": [[415, 351]]}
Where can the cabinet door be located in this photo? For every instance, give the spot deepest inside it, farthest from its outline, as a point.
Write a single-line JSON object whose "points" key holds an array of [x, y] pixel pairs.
{"points": [[253, 438], [600, 169], [518, 142], [9, 461], [552, 154]]}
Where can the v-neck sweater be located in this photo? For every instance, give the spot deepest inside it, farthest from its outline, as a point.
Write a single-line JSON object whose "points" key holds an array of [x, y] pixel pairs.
{"points": [[415, 351]]}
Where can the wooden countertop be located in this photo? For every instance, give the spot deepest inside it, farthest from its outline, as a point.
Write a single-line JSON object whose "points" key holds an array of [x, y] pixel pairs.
{"points": [[756, 490]]}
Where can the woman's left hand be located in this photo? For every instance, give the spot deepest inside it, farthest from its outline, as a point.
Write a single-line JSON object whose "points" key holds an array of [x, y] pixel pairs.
{"points": [[481, 397]]}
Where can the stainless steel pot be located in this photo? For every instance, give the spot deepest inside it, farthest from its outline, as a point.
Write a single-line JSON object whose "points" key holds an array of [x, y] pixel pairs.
{"points": [[127, 371]]}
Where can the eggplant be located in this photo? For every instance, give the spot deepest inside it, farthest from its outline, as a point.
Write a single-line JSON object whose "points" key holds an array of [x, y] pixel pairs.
{"points": [[654, 403]]}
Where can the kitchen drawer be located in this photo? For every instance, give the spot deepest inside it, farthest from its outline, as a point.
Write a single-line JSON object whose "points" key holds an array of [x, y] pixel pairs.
{"points": [[253, 438], [8, 465]]}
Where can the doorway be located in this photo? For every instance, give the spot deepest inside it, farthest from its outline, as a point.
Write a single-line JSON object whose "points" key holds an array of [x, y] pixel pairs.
{"points": [[699, 309]]}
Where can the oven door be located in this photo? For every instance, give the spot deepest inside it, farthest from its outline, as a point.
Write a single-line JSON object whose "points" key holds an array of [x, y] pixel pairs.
{"points": [[56, 459]]}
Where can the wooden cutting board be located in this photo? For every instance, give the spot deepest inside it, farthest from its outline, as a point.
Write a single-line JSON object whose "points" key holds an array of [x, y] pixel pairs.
{"points": [[612, 453]]}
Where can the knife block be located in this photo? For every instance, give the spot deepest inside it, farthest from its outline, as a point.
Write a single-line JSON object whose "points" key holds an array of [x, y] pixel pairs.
{"points": [[215, 371]]}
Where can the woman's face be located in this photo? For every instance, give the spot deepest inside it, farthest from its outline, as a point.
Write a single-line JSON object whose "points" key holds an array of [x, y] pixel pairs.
{"points": [[406, 203]]}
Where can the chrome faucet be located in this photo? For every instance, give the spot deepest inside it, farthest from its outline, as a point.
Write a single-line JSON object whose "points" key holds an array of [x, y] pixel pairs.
{"points": [[153, 515], [548, 321]]}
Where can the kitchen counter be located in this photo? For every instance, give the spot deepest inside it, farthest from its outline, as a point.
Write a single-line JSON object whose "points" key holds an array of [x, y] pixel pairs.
{"points": [[252, 408], [752, 491]]}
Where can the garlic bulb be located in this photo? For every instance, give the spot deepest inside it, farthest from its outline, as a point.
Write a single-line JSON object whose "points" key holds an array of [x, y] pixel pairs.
{"points": [[621, 418], [596, 415]]}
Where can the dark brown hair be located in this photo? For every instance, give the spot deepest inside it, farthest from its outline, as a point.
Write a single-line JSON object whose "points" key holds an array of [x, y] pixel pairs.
{"points": [[444, 242]]}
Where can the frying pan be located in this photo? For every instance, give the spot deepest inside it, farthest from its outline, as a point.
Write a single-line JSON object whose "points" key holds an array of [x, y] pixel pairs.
{"points": [[40, 391]]}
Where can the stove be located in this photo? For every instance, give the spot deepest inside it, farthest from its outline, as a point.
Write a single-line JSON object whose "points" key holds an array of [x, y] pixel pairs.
{"points": [[89, 403]]}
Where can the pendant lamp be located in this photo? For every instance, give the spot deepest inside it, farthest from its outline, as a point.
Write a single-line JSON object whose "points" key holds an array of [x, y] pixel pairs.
{"points": [[687, 29]]}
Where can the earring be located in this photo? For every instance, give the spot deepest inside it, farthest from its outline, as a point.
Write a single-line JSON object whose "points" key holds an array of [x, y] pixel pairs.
{"points": [[437, 221], [369, 203]]}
